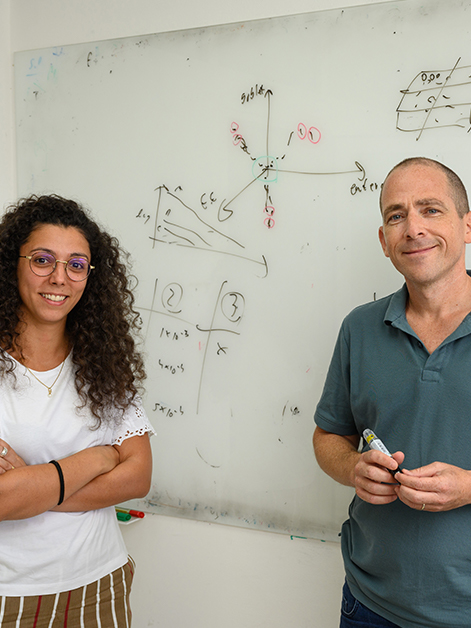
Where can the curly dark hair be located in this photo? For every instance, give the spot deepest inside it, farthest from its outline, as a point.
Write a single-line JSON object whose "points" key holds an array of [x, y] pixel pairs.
{"points": [[102, 326]]}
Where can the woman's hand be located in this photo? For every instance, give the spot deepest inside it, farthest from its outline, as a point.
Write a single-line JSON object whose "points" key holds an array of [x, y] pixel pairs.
{"points": [[110, 456], [129, 477], [33, 489], [9, 459]]}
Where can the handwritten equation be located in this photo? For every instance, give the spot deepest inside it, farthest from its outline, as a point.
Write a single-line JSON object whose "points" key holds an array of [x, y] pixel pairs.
{"points": [[197, 341]]}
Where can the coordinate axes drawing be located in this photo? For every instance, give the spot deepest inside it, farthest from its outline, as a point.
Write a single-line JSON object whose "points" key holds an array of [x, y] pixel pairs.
{"points": [[179, 222]]}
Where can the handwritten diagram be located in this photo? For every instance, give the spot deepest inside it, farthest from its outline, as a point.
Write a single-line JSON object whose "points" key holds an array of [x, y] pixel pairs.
{"points": [[436, 99], [179, 222], [190, 343]]}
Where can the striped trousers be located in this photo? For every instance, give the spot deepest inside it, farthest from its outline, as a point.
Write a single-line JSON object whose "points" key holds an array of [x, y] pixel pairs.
{"points": [[102, 604]]}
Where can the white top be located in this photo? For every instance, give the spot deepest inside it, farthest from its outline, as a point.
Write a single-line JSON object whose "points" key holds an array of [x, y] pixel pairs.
{"points": [[57, 551]]}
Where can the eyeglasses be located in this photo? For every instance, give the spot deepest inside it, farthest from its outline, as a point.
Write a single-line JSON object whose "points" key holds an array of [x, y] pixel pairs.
{"points": [[44, 264]]}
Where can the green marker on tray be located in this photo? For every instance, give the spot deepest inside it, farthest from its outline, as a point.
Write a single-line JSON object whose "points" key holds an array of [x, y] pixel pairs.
{"points": [[123, 516]]}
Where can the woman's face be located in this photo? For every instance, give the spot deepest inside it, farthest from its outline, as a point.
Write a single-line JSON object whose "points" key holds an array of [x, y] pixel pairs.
{"points": [[48, 300]]}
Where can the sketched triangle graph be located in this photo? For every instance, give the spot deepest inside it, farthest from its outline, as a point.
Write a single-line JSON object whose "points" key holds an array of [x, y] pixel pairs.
{"points": [[177, 223]]}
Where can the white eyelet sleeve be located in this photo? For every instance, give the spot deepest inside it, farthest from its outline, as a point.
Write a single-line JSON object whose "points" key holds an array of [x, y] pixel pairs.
{"points": [[135, 423]]}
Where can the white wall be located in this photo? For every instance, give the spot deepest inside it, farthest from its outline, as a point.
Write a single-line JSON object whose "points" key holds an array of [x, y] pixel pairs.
{"points": [[189, 573], [6, 107], [207, 575], [40, 23]]}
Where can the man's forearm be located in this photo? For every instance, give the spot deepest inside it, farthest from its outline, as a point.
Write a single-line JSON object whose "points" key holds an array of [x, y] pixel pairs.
{"points": [[337, 455]]}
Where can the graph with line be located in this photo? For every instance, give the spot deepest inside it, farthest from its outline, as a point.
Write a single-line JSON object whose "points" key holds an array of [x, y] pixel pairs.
{"points": [[436, 99], [178, 221], [181, 223]]}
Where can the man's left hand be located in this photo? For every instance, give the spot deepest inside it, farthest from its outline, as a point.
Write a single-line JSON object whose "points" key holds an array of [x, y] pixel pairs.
{"points": [[436, 487]]}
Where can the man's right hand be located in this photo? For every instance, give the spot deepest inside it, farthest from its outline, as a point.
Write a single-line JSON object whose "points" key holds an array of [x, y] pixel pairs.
{"points": [[373, 481]]}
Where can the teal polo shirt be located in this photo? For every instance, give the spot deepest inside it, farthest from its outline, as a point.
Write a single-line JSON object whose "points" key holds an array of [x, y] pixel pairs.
{"points": [[409, 566]]}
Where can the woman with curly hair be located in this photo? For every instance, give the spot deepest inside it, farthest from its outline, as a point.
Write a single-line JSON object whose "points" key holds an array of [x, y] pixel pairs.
{"points": [[74, 438]]}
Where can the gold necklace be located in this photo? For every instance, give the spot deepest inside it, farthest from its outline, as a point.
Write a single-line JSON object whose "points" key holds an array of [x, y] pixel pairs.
{"points": [[49, 388]]}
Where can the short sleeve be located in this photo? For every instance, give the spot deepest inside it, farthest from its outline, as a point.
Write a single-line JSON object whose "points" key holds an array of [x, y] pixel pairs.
{"points": [[135, 423], [333, 412]]}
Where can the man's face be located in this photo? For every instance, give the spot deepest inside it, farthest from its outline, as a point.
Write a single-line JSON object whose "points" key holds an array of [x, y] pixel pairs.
{"points": [[422, 232]]}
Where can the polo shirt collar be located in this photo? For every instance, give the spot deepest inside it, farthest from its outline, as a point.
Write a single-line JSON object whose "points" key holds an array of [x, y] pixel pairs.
{"points": [[396, 316], [396, 312]]}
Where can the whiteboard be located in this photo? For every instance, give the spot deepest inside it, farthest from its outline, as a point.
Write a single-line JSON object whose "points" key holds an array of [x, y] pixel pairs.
{"points": [[240, 165]]}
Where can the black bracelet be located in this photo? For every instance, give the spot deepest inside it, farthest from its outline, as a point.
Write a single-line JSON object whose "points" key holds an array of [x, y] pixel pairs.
{"points": [[61, 480]]}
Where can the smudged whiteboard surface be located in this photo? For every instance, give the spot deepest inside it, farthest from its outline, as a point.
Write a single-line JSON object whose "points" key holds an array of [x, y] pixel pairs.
{"points": [[240, 165]]}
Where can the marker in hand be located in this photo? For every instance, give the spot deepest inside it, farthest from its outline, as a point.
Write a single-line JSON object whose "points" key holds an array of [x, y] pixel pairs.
{"points": [[374, 443]]}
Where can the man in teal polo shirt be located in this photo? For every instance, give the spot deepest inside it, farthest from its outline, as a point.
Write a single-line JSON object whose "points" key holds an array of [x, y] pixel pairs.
{"points": [[402, 367]]}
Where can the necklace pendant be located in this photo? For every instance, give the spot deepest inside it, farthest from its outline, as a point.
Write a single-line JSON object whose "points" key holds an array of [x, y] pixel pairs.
{"points": [[49, 388]]}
